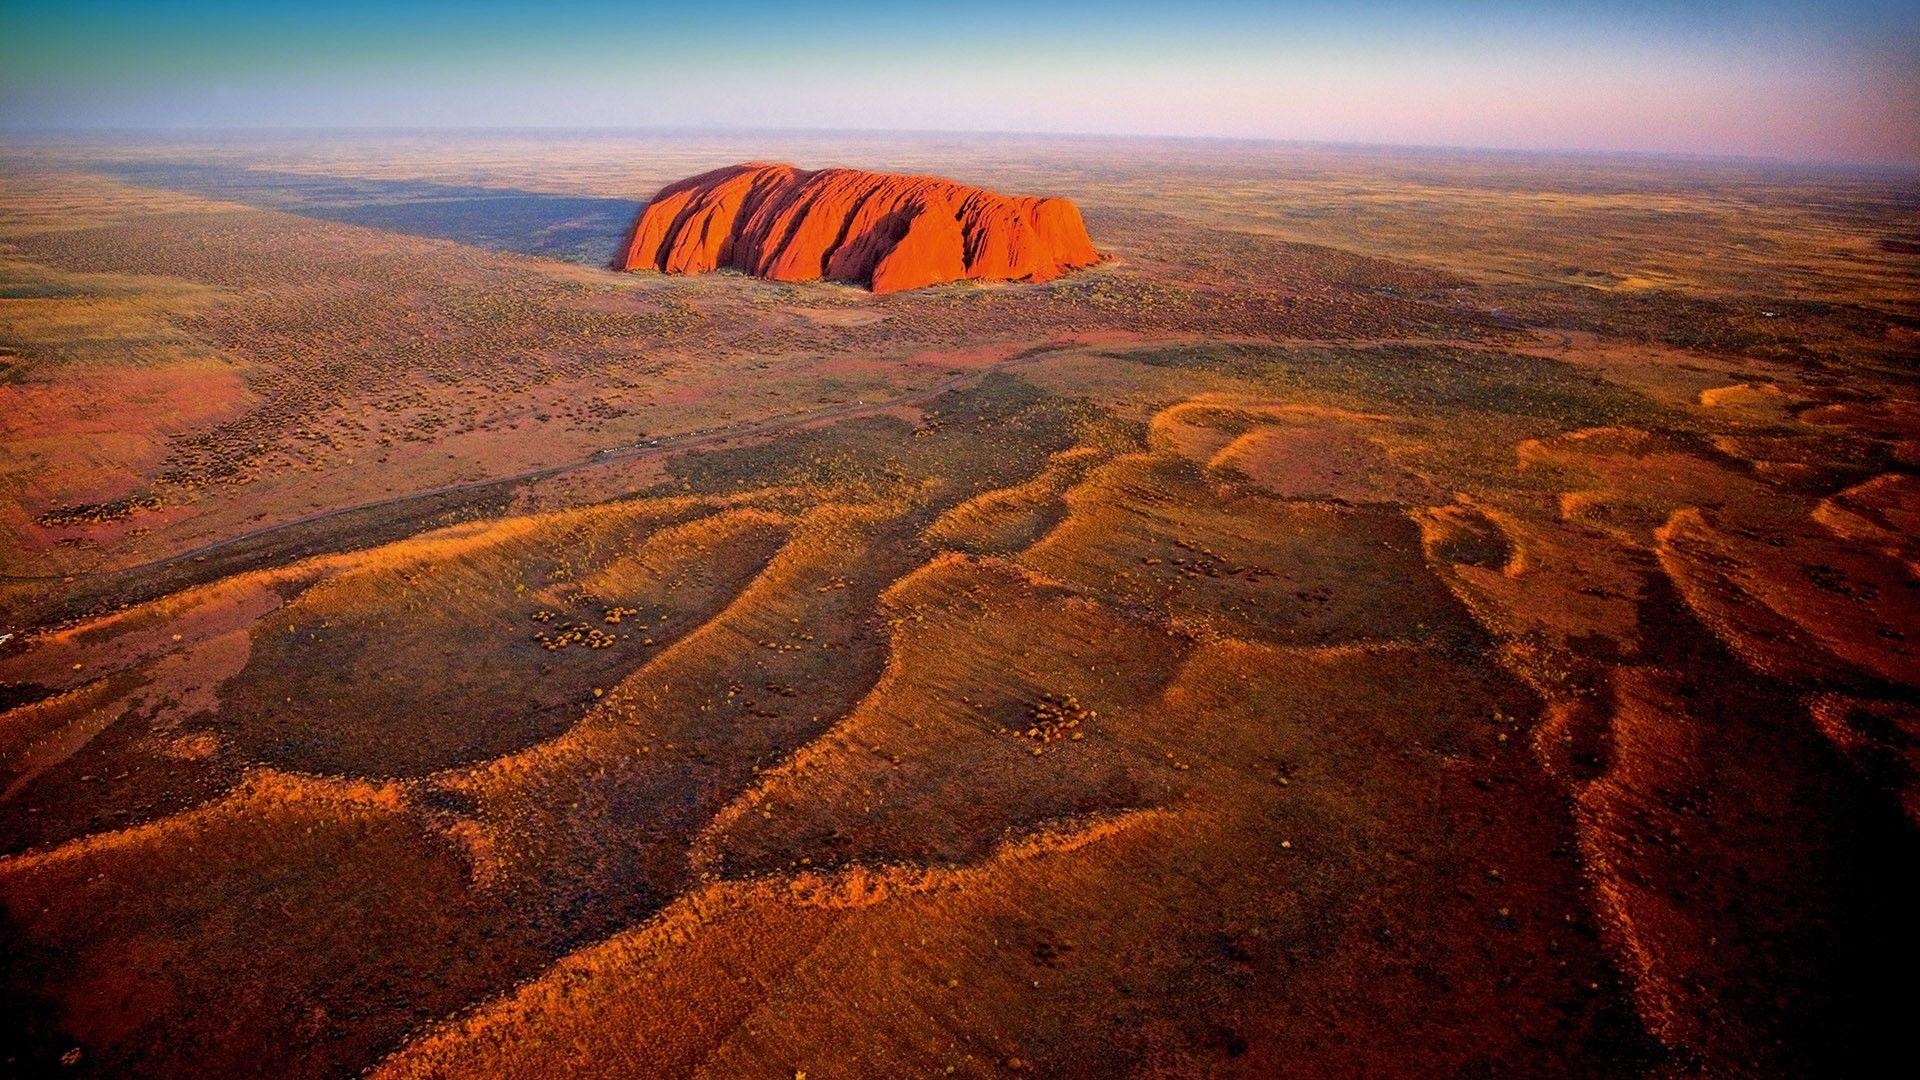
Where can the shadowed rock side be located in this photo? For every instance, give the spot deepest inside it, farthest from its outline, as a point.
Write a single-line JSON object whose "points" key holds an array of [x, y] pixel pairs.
{"points": [[884, 230]]}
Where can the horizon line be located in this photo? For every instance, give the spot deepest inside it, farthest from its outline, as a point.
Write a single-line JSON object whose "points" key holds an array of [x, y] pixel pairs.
{"points": [[8, 131]]}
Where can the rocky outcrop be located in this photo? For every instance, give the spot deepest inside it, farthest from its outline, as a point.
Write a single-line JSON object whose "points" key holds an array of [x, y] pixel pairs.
{"points": [[884, 230]]}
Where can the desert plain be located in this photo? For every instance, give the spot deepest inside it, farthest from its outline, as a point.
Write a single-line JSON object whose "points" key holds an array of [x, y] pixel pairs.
{"points": [[1403, 613]]}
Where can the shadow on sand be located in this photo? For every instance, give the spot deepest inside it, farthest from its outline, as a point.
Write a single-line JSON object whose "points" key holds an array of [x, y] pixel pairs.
{"points": [[573, 228]]}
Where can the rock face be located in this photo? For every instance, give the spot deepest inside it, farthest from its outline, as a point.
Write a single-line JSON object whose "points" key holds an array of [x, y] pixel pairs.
{"points": [[884, 230]]}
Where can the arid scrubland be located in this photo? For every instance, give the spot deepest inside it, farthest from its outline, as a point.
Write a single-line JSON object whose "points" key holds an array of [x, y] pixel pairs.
{"points": [[1402, 614]]}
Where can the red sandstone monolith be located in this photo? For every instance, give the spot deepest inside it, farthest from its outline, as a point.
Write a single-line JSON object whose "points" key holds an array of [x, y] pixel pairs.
{"points": [[883, 230]]}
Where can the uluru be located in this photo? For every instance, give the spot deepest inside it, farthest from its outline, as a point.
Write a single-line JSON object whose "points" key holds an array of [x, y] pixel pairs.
{"points": [[887, 231]]}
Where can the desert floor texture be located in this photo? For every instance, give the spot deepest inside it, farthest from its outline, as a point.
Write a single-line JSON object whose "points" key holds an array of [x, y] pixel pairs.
{"points": [[1404, 614]]}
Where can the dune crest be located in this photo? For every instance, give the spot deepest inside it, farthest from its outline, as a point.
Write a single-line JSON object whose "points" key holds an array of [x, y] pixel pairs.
{"points": [[885, 230]]}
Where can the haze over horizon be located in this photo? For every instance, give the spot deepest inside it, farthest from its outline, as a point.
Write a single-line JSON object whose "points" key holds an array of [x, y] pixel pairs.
{"points": [[1832, 81]]}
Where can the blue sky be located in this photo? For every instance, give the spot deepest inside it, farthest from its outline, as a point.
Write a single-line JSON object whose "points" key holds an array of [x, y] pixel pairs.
{"points": [[1825, 81]]}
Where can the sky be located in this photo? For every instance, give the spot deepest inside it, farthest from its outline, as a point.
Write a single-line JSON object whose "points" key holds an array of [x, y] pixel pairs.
{"points": [[1826, 81]]}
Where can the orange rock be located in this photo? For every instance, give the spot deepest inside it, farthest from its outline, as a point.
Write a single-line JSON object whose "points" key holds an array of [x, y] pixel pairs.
{"points": [[884, 230]]}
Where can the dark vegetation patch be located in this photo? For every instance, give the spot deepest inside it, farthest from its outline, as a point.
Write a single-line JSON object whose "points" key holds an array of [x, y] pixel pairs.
{"points": [[993, 434], [13, 695], [95, 513], [37, 290], [1433, 378], [518, 644], [345, 530], [1808, 333], [121, 778]]}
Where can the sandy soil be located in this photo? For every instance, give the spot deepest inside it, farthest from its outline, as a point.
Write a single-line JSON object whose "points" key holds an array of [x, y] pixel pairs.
{"points": [[1404, 616]]}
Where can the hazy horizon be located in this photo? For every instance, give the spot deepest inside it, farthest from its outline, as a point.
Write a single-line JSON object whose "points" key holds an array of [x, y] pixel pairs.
{"points": [[223, 134], [1830, 82]]}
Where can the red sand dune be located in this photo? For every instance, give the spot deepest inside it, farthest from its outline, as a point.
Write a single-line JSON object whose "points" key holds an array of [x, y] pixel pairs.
{"points": [[885, 230]]}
